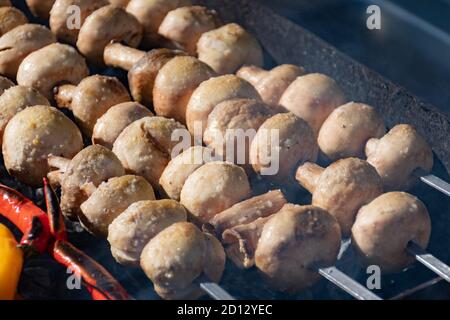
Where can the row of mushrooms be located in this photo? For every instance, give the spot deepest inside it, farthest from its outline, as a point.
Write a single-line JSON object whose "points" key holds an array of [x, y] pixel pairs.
{"points": [[177, 213]]}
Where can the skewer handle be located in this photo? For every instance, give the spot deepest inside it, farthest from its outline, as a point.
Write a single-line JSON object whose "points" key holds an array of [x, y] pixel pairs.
{"points": [[429, 261], [434, 182], [347, 284], [215, 291]]}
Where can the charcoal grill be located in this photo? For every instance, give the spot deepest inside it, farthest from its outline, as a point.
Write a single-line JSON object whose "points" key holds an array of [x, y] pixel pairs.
{"points": [[287, 42]]}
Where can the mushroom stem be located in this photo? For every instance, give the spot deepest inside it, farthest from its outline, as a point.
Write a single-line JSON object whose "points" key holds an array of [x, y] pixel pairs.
{"points": [[55, 178], [308, 174], [120, 56], [252, 74], [242, 241], [88, 189], [371, 146], [63, 95], [248, 211], [59, 163]]}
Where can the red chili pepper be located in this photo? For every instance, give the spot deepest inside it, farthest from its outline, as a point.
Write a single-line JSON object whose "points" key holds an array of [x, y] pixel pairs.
{"points": [[28, 217]]}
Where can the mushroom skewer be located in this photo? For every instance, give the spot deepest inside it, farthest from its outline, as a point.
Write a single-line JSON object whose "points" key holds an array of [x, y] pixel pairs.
{"points": [[429, 261]]}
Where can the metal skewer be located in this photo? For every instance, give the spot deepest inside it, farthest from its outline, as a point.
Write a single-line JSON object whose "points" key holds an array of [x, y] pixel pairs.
{"points": [[213, 289], [429, 261], [433, 181], [347, 284]]}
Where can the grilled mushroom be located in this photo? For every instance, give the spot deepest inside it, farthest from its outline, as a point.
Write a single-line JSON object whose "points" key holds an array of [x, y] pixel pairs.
{"points": [[91, 98], [384, 227], [271, 84], [179, 255], [185, 25], [138, 224], [313, 97], [50, 66], [105, 25], [81, 175], [348, 128], [40, 8], [212, 92], [110, 199], [115, 120], [10, 18], [14, 100], [228, 48], [61, 15], [397, 156], [31, 136], [296, 241], [18, 43], [342, 188], [5, 84]]}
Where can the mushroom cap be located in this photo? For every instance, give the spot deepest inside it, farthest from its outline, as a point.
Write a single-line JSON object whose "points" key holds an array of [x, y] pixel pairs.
{"points": [[348, 128], [115, 120], [18, 43], [313, 97], [109, 23], [138, 224], [145, 147], [296, 144], [5, 3], [150, 14], [110, 199], [31, 136], [293, 243], [142, 75], [10, 18], [92, 165], [384, 227], [40, 8], [181, 167], [177, 256], [175, 83], [61, 17], [185, 25], [214, 187], [233, 124], [212, 92], [14, 100], [344, 187], [5, 83], [94, 96], [228, 48], [119, 3], [396, 155], [50, 66], [272, 86]]}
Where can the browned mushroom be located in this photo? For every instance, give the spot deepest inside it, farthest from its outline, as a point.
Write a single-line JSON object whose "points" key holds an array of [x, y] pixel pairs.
{"points": [[271, 84], [10, 18], [143, 68], [109, 23], [31, 136], [228, 48], [342, 188], [282, 143], [50, 66], [61, 15], [145, 147], [110, 199], [232, 125], [18, 43], [91, 98], [313, 97], [138, 224], [14, 100], [397, 155], [212, 92], [348, 128], [115, 120], [214, 187], [151, 14], [293, 243], [40, 8], [175, 83], [179, 255], [185, 25], [5, 83], [81, 175], [384, 228]]}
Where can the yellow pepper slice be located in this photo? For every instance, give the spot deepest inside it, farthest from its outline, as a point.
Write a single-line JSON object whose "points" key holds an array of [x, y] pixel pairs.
{"points": [[11, 262]]}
